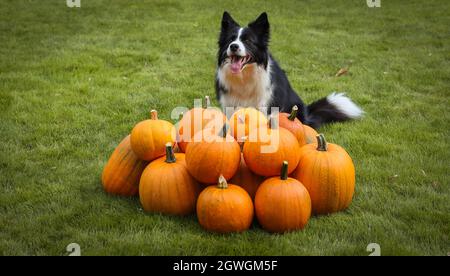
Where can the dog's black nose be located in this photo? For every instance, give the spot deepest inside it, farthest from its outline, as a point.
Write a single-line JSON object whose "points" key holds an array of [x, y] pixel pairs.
{"points": [[234, 47]]}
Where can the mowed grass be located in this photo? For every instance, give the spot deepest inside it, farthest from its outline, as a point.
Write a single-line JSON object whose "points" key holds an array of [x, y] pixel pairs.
{"points": [[73, 82]]}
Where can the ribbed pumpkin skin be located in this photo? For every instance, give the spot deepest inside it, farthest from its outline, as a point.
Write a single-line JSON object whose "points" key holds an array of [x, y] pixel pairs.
{"points": [[123, 170], [310, 134], [206, 160], [282, 205], [196, 120], [225, 210], [246, 120], [269, 164], [149, 137], [329, 177], [295, 127], [246, 179], [168, 188]]}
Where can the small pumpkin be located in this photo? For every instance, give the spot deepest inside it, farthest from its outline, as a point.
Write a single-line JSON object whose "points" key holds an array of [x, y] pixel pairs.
{"points": [[244, 121], [211, 155], [246, 179], [123, 170], [265, 155], [282, 203], [149, 137], [290, 122], [196, 120], [166, 186], [224, 208], [327, 171], [310, 134]]}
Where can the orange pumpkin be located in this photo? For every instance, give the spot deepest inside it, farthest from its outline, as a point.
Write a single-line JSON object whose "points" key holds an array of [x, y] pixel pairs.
{"points": [[265, 155], [310, 134], [245, 121], [327, 171], [198, 119], [166, 186], [291, 123], [224, 208], [122, 172], [282, 204], [211, 155], [149, 137], [245, 178]]}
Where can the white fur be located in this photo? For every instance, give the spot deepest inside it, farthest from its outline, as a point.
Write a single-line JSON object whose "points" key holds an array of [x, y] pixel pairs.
{"points": [[250, 88], [345, 105], [241, 50]]}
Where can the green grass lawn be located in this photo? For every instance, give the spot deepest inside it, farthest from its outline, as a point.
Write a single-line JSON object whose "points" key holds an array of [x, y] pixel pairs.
{"points": [[73, 82]]}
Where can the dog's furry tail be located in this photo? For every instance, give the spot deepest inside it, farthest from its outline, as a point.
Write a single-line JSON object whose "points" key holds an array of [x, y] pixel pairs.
{"points": [[336, 107]]}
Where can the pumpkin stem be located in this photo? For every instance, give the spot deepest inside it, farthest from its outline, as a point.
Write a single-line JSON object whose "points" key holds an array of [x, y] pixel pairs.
{"points": [[154, 114], [284, 170], [293, 113], [321, 143], [170, 156], [223, 132], [207, 102], [222, 183]]}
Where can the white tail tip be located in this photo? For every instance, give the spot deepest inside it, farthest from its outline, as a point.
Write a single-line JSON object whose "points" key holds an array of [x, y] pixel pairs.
{"points": [[345, 105]]}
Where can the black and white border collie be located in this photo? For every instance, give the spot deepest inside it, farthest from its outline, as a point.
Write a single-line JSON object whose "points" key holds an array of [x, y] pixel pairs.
{"points": [[248, 76]]}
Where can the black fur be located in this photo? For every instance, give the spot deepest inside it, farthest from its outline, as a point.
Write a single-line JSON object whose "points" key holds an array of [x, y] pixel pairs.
{"points": [[256, 40]]}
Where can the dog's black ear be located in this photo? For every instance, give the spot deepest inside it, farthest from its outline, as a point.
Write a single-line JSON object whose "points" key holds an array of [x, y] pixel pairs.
{"points": [[261, 26], [228, 21]]}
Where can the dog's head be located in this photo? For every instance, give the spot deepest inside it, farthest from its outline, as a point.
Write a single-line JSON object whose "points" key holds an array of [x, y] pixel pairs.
{"points": [[240, 47]]}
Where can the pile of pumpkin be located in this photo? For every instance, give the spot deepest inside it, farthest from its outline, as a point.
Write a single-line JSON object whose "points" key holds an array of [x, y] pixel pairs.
{"points": [[227, 178]]}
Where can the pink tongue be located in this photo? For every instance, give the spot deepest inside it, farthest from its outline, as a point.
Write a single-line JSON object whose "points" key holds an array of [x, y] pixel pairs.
{"points": [[236, 66]]}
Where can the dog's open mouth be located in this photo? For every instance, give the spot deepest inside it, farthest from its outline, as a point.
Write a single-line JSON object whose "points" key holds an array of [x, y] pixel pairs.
{"points": [[238, 63]]}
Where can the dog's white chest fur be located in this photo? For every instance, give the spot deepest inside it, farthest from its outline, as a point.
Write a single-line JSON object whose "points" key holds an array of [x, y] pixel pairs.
{"points": [[251, 88]]}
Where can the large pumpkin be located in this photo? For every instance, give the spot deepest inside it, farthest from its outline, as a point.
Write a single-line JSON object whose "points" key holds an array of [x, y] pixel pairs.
{"points": [[290, 122], [310, 134], [166, 186], [265, 154], [149, 137], [224, 208], [123, 170], [211, 155], [245, 178], [327, 171], [198, 119], [282, 203], [245, 121]]}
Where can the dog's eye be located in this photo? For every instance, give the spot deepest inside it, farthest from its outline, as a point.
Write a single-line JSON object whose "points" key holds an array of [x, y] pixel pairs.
{"points": [[245, 39]]}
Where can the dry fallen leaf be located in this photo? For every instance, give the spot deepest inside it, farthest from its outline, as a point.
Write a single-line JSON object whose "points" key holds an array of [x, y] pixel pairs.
{"points": [[392, 177], [341, 72]]}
